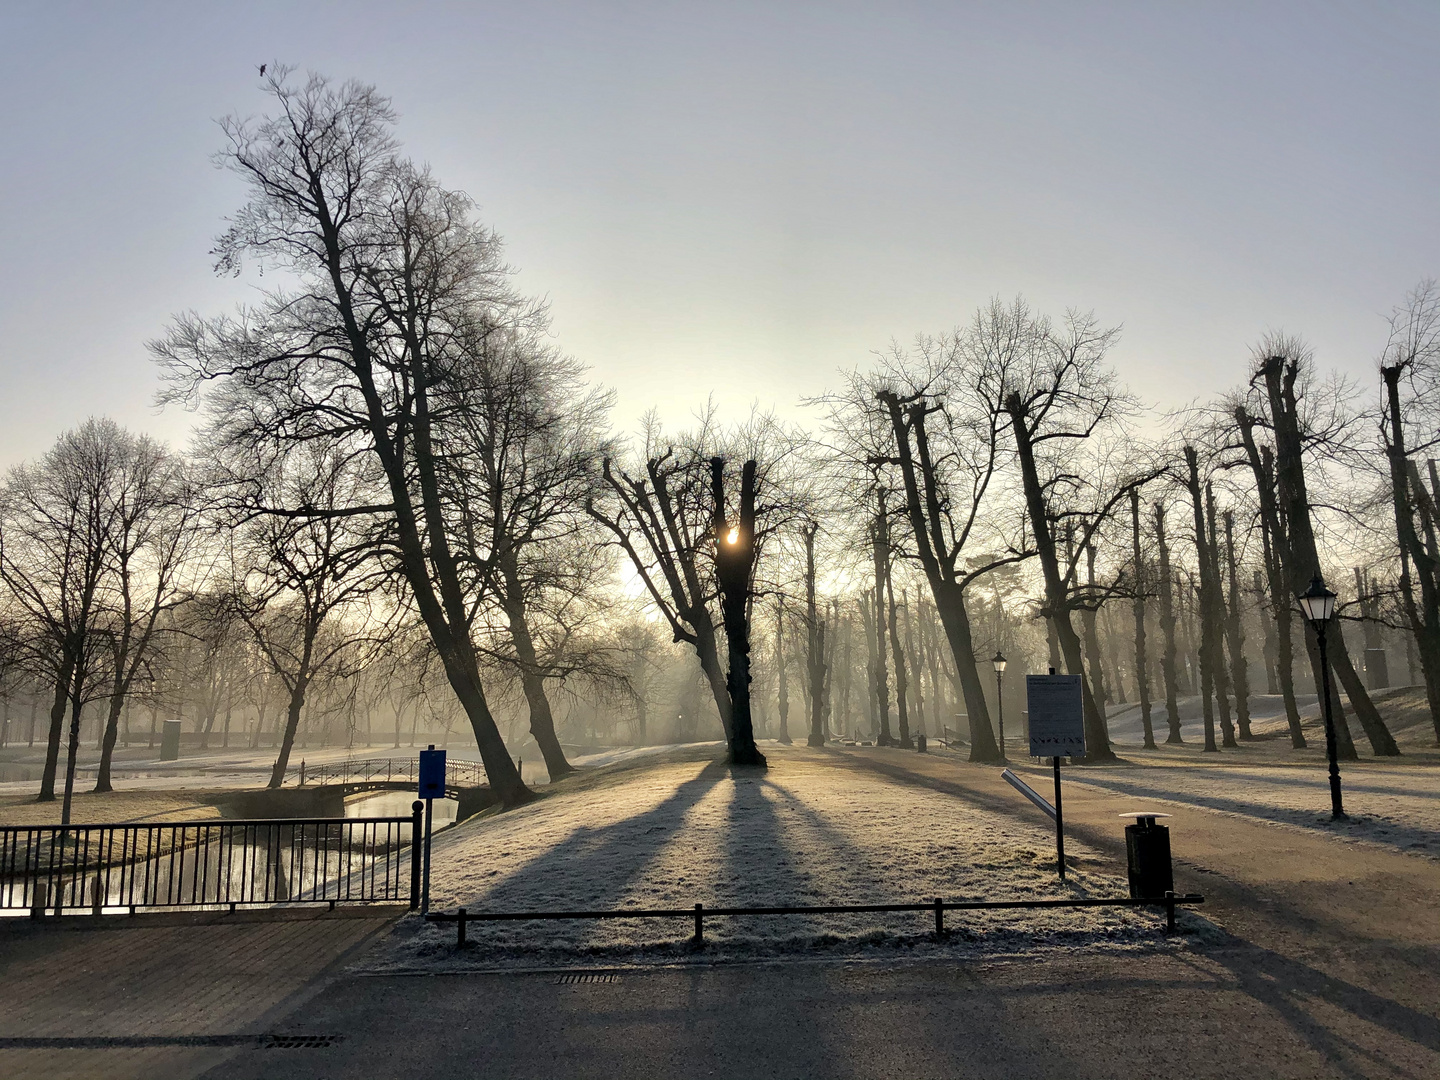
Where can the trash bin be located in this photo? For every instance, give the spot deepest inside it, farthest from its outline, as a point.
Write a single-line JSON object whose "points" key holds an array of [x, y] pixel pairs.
{"points": [[1147, 851], [170, 741]]}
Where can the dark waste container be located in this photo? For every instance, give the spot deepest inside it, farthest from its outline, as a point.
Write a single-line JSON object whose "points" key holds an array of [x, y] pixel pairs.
{"points": [[170, 741], [1147, 850]]}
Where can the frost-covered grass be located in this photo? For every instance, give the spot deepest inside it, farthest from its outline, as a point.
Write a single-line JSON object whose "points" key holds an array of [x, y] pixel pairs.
{"points": [[804, 833]]}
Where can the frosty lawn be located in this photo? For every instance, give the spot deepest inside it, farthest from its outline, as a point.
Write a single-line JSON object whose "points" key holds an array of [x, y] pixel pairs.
{"points": [[675, 833]]}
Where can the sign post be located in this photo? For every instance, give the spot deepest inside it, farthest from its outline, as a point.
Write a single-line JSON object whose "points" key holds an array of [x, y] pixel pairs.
{"points": [[431, 787], [1057, 729]]}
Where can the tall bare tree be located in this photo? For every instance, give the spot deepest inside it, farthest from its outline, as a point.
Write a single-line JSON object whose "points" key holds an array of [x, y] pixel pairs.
{"points": [[387, 271]]}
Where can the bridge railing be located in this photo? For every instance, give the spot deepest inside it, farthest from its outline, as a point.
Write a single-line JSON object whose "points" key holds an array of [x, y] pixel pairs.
{"points": [[209, 864], [387, 770]]}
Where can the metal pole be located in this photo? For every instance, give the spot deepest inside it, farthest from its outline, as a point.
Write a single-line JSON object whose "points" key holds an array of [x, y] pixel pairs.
{"points": [[415, 810], [1337, 806], [1000, 704], [425, 882], [1059, 825]]}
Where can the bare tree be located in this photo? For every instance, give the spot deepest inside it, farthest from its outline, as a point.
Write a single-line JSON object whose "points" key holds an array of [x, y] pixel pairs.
{"points": [[295, 575], [1141, 584], [60, 521], [1060, 395], [152, 547], [1280, 364], [670, 518], [389, 269], [1410, 374], [528, 463]]}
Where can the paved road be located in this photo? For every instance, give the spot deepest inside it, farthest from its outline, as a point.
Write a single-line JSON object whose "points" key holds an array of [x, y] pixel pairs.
{"points": [[163, 995], [1080, 1017]]}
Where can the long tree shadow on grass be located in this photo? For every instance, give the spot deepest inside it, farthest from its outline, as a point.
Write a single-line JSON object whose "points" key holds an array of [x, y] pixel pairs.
{"points": [[592, 867]]}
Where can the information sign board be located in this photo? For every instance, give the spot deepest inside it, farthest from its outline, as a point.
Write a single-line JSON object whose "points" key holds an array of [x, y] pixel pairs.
{"points": [[1057, 715], [432, 774]]}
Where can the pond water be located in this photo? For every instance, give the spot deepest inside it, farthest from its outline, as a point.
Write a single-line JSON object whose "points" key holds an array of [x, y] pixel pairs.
{"points": [[397, 804]]}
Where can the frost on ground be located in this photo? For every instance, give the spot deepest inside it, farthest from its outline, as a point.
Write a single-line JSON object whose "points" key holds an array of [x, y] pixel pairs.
{"points": [[803, 833]]}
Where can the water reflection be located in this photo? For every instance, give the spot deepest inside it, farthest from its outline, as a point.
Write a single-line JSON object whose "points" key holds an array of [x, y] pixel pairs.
{"points": [[397, 804]]}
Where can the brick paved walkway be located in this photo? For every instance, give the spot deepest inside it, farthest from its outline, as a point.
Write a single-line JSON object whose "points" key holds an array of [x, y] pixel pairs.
{"points": [[160, 995]]}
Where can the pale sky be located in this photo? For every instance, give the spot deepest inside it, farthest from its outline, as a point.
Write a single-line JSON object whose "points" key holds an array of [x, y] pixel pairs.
{"points": [[740, 199]]}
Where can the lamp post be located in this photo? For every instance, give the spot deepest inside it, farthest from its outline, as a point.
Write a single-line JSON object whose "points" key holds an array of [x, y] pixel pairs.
{"points": [[1318, 604], [999, 662]]}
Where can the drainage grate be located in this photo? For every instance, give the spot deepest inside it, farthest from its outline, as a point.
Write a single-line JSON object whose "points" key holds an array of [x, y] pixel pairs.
{"points": [[573, 977], [301, 1042]]}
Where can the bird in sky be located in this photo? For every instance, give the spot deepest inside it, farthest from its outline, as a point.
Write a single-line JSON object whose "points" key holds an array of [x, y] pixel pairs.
{"points": [[262, 71]]}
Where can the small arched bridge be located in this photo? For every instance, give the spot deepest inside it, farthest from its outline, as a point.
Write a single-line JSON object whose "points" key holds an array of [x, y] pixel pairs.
{"points": [[465, 781]]}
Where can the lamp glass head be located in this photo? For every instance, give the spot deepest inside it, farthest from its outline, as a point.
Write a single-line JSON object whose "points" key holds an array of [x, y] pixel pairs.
{"points": [[1317, 601], [999, 660]]}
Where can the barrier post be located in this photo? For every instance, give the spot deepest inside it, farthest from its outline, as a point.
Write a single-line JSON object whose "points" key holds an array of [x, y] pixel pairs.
{"points": [[1059, 825], [416, 809]]}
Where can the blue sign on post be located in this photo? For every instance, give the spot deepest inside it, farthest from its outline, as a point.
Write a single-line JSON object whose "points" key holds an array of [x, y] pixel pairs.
{"points": [[432, 774]]}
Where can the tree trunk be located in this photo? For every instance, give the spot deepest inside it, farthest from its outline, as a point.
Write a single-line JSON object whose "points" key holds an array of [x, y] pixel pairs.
{"points": [[814, 646], [872, 687], [57, 730], [924, 507], [112, 733], [1167, 624], [880, 547], [1088, 619], [1277, 558], [1057, 603], [1217, 617], [1142, 674], [1425, 619], [1207, 656], [1235, 635], [292, 724], [532, 676], [734, 566], [782, 677], [77, 706], [1305, 560], [1267, 628], [917, 665], [897, 654]]}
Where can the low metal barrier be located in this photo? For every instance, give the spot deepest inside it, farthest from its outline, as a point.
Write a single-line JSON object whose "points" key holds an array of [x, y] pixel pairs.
{"points": [[210, 864], [385, 770], [1170, 901]]}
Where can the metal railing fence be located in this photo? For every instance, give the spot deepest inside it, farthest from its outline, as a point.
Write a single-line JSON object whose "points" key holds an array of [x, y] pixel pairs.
{"points": [[209, 864], [1169, 902], [389, 770]]}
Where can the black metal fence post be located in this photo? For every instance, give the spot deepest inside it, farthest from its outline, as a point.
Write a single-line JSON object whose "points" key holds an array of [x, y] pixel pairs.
{"points": [[939, 918], [699, 924], [460, 928], [416, 809], [1170, 911], [1059, 825]]}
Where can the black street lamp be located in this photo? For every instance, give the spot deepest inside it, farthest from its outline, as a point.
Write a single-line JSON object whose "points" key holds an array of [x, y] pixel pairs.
{"points": [[1318, 604], [999, 661]]}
